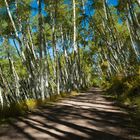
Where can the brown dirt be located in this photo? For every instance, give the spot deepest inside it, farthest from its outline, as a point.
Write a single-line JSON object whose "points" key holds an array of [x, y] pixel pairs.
{"points": [[88, 116]]}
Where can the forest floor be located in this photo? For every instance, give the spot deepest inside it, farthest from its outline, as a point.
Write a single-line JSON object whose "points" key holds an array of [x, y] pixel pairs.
{"points": [[88, 116]]}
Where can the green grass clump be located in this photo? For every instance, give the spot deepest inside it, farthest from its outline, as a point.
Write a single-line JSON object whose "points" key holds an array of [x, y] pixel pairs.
{"points": [[126, 91], [23, 107], [13, 109]]}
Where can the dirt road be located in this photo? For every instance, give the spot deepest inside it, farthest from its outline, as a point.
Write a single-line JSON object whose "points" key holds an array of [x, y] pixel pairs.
{"points": [[88, 116]]}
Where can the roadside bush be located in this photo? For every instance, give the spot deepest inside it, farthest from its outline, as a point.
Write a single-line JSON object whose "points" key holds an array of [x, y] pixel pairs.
{"points": [[126, 89]]}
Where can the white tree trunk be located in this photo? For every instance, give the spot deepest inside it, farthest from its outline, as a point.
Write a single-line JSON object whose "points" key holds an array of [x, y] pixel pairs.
{"points": [[138, 2], [132, 41], [1, 97], [74, 27]]}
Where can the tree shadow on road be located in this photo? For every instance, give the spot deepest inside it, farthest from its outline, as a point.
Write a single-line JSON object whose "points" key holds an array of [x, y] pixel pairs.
{"points": [[72, 122]]}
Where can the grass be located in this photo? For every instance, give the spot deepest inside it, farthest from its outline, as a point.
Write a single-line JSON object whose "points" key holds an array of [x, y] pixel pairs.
{"points": [[24, 107], [131, 105], [126, 93]]}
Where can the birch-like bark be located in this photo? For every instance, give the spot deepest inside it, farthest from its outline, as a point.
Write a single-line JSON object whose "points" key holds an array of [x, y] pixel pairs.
{"points": [[31, 41], [40, 39], [131, 38], [15, 77], [1, 97], [14, 27], [74, 27], [138, 2]]}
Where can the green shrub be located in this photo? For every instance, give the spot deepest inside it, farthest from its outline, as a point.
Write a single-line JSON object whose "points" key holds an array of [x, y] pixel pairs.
{"points": [[126, 89], [22, 107], [13, 109]]}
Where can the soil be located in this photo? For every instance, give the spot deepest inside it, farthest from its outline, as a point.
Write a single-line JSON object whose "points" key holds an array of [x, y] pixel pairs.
{"points": [[88, 116]]}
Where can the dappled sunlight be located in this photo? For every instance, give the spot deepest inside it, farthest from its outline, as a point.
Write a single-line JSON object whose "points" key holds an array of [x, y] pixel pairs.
{"points": [[69, 70], [74, 119], [100, 106]]}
